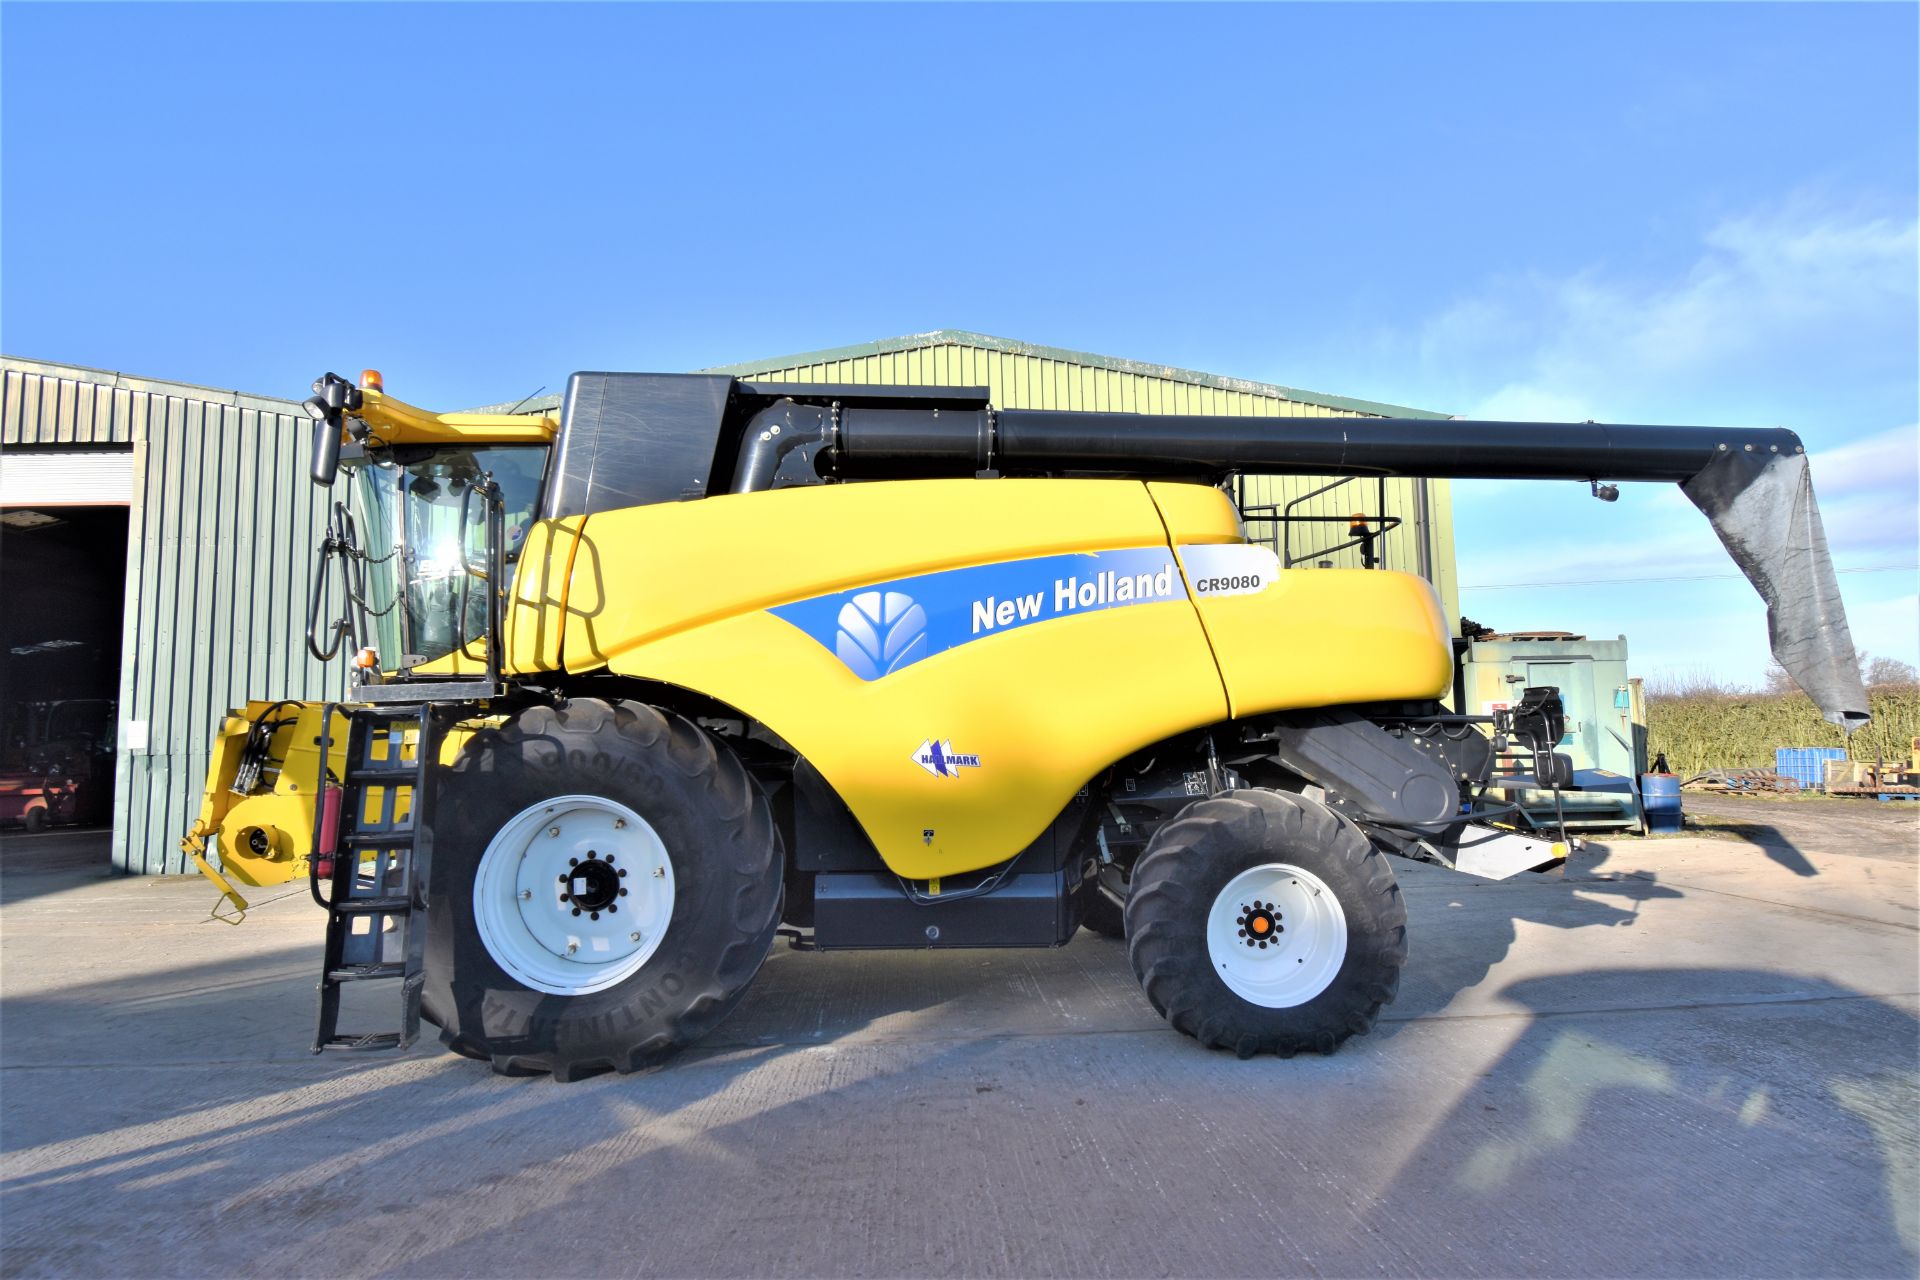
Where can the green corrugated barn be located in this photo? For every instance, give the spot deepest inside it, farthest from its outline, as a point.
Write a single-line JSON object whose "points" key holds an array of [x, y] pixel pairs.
{"points": [[171, 529]]}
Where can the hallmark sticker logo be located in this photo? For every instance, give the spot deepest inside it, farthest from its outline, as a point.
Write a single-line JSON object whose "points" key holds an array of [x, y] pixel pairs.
{"points": [[938, 758]]}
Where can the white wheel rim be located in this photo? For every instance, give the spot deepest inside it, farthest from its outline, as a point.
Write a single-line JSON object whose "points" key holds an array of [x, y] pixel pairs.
{"points": [[552, 907], [1300, 920]]}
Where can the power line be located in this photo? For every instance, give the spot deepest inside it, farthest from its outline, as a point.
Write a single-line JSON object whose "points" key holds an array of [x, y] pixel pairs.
{"points": [[1696, 577]]}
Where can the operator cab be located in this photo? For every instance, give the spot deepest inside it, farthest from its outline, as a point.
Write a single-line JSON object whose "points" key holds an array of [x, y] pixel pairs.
{"points": [[421, 511]]}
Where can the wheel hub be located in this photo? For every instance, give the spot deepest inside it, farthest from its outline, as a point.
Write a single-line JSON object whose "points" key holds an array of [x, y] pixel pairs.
{"points": [[1259, 923], [1277, 935], [593, 885], [574, 894]]}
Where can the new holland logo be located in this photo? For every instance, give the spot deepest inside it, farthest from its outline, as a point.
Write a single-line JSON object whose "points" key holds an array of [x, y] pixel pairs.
{"points": [[880, 632], [938, 758]]}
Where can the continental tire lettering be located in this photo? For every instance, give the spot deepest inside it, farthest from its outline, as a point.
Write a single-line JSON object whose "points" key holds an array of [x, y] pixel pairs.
{"points": [[651, 1002]]}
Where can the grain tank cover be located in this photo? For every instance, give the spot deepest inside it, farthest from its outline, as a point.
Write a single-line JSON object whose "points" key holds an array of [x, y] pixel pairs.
{"points": [[631, 439]]}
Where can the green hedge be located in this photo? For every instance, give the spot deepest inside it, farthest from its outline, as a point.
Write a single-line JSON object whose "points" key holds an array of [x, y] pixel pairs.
{"points": [[1712, 729]]}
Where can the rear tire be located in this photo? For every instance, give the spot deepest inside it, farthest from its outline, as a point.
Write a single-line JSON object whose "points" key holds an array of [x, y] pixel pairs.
{"points": [[1263, 922], [512, 974]]}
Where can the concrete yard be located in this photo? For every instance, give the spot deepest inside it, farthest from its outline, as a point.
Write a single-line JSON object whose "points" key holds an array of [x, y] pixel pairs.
{"points": [[1688, 1056]]}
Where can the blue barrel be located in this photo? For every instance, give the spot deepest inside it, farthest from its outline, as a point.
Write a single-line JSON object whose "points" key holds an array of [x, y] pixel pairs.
{"points": [[1660, 793]]}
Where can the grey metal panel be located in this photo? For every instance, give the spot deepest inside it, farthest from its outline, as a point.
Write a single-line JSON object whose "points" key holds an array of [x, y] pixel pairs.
{"points": [[223, 528]]}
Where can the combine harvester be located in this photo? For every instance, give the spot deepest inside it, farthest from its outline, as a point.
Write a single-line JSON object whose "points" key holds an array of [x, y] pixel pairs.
{"points": [[633, 689]]}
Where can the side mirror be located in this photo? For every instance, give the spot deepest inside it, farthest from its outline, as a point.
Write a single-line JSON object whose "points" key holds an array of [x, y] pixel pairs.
{"points": [[333, 396], [326, 441]]}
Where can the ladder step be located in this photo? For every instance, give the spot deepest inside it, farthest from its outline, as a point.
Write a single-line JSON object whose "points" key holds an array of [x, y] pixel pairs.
{"points": [[400, 852], [366, 972], [369, 1040], [379, 839], [372, 906]]}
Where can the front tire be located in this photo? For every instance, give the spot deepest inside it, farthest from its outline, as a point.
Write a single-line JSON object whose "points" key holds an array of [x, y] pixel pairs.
{"points": [[1263, 922], [606, 883]]}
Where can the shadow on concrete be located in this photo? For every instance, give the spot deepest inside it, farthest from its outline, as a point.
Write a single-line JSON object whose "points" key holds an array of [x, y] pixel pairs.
{"points": [[320, 1161], [1770, 840], [51, 861], [1740, 1122], [1690, 1142], [1459, 927]]}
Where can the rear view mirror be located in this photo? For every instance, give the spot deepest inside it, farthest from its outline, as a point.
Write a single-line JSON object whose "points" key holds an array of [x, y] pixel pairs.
{"points": [[332, 396], [326, 442]]}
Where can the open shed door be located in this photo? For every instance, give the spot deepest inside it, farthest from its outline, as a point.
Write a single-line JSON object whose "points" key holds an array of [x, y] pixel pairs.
{"points": [[66, 477]]}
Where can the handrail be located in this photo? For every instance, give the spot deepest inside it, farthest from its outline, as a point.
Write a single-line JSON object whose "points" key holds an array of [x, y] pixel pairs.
{"points": [[1375, 526], [342, 540], [493, 575]]}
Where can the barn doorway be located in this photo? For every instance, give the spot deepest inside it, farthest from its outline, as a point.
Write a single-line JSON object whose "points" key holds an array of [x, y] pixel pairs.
{"points": [[62, 589]]}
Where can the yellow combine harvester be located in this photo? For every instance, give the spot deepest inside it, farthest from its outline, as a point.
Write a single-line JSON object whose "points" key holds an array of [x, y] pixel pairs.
{"points": [[634, 688]]}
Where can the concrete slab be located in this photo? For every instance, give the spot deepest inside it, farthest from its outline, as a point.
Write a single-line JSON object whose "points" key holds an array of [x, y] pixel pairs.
{"points": [[1684, 1057]]}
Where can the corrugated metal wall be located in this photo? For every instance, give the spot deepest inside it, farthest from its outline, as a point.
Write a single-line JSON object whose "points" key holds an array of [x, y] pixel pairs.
{"points": [[1021, 376], [223, 529]]}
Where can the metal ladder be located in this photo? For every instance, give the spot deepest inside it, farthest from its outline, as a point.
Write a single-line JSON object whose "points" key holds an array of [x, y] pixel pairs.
{"points": [[372, 855]]}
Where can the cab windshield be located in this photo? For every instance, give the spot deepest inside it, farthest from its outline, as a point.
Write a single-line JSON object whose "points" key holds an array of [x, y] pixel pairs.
{"points": [[423, 530]]}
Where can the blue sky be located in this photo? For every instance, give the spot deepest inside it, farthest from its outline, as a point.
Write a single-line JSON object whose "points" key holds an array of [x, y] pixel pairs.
{"points": [[1631, 213]]}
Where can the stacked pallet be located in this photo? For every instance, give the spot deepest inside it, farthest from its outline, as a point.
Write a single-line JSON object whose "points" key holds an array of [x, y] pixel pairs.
{"points": [[1896, 781]]}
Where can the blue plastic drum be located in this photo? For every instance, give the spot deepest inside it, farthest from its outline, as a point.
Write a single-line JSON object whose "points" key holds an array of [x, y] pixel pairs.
{"points": [[1660, 792]]}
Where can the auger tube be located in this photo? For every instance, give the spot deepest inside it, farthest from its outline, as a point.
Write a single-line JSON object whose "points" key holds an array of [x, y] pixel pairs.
{"points": [[1751, 483]]}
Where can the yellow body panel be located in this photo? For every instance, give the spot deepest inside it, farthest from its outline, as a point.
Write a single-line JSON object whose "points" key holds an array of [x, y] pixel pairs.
{"points": [[397, 422], [1027, 714], [1044, 708], [679, 593], [1314, 637], [647, 572]]}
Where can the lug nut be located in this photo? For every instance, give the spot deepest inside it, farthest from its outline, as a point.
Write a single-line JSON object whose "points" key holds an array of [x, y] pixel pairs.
{"points": [[593, 915], [612, 907], [573, 862], [623, 893], [576, 911], [623, 873], [566, 897], [634, 936]]}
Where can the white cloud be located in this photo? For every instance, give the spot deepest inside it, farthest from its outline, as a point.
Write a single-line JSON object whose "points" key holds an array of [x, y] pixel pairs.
{"points": [[1804, 314], [1869, 493], [1780, 296]]}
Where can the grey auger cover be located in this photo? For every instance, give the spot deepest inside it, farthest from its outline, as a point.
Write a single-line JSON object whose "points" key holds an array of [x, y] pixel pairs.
{"points": [[1762, 507]]}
